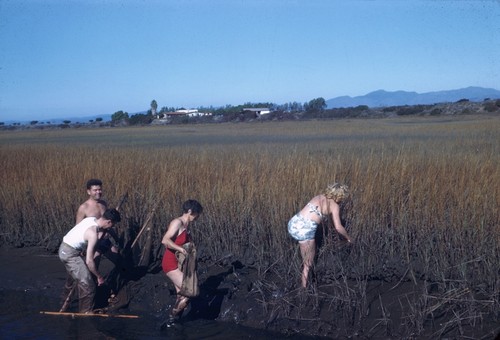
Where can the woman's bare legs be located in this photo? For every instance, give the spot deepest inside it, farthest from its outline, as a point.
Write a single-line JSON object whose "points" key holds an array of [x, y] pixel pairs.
{"points": [[181, 302], [308, 251], [176, 277]]}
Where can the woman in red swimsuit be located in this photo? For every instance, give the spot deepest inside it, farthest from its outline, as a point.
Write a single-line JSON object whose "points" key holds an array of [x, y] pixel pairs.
{"points": [[169, 261], [178, 234]]}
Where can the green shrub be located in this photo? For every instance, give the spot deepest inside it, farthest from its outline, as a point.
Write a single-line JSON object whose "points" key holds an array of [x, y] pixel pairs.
{"points": [[490, 106]]}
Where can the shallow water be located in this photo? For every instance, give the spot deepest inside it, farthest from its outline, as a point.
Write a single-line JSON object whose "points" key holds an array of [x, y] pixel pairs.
{"points": [[20, 318]]}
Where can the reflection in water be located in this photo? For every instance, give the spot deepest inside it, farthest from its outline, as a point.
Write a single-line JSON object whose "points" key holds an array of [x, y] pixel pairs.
{"points": [[20, 318]]}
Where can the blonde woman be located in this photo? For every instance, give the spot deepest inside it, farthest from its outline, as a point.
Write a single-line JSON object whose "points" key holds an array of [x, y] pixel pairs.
{"points": [[302, 227]]}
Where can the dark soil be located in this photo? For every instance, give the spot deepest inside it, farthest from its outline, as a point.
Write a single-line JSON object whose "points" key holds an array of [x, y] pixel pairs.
{"points": [[232, 292]]}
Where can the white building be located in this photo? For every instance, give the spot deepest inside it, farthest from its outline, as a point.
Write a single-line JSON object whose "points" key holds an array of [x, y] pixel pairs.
{"points": [[257, 110]]}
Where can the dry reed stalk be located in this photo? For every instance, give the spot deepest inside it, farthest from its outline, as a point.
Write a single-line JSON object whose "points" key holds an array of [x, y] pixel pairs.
{"points": [[449, 296], [422, 193]]}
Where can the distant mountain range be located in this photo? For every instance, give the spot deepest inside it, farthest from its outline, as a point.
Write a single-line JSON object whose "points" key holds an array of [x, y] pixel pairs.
{"points": [[85, 119], [383, 98]]}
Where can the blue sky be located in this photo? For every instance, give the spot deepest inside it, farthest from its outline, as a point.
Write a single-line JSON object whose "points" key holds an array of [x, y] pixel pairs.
{"points": [[67, 58]]}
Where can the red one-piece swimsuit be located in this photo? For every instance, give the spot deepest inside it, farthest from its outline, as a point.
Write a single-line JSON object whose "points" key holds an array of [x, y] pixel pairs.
{"points": [[169, 261]]}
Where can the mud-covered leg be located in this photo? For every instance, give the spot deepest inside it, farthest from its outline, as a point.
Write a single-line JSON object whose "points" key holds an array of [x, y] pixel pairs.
{"points": [[180, 304]]}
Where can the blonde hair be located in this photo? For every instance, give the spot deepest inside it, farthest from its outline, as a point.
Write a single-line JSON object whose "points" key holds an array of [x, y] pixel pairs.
{"points": [[336, 191]]}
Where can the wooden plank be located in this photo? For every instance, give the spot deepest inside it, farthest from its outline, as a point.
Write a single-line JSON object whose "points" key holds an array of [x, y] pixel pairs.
{"points": [[95, 314]]}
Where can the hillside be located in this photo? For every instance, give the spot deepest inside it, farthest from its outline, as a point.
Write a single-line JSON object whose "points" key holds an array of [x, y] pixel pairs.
{"points": [[383, 98]]}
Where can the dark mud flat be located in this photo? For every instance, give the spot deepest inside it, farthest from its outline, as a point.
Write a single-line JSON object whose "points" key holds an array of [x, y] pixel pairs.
{"points": [[235, 301]]}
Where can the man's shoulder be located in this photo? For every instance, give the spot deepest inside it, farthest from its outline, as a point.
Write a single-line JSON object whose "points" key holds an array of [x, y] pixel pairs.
{"points": [[102, 202], [90, 228]]}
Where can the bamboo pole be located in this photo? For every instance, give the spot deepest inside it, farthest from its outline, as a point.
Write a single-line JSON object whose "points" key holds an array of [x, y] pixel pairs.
{"points": [[91, 314]]}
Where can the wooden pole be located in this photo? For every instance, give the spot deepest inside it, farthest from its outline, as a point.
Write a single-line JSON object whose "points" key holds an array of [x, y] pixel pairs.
{"points": [[68, 298], [90, 314], [123, 199], [148, 219]]}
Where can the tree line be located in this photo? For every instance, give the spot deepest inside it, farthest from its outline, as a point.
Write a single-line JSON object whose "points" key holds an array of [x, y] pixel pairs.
{"points": [[314, 105]]}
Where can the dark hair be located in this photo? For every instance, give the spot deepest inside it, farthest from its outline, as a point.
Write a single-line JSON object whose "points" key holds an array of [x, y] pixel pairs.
{"points": [[113, 215], [192, 205], [93, 181]]}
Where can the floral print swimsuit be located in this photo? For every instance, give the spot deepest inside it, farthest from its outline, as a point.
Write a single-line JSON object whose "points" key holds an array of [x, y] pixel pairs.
{"points": [[301, 228]]}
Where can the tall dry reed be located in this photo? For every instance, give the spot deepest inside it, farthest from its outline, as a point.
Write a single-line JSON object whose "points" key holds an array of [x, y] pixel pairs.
{"points": [[424, 205]]}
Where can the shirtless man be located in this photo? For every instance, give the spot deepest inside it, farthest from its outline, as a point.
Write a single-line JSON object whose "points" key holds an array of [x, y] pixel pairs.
{"points": [[95, 206]]}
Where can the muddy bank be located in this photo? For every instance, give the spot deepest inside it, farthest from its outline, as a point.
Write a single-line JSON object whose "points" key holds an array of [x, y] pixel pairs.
{"points": [[239, 294]]}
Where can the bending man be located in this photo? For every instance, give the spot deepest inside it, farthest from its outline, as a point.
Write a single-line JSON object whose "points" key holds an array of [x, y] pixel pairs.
{"points": [[83, 238]]}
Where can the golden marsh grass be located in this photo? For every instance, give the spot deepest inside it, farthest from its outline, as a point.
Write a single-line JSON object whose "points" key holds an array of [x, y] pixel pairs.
{"points": [[425, 190]]}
